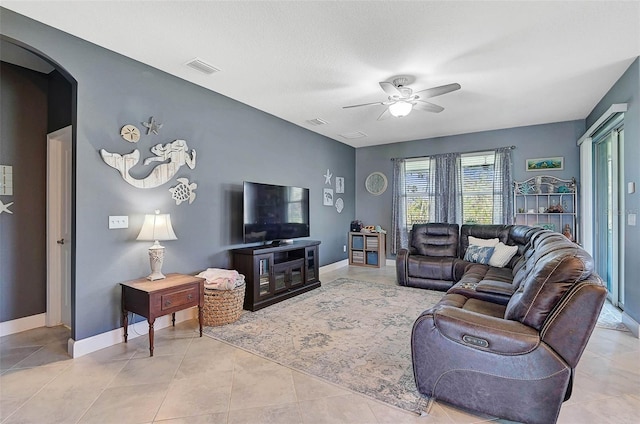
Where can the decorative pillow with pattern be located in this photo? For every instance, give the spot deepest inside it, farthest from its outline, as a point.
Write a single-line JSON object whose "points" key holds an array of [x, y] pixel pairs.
{"points": [[478, 254], [502, 254]]}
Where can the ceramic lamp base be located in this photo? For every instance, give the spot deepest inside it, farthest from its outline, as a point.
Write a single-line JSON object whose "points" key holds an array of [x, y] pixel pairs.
{"points": [[156, 257]]}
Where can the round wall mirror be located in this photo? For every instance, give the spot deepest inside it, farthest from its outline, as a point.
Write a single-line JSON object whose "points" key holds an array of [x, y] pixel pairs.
{"points": [[376, 183]]}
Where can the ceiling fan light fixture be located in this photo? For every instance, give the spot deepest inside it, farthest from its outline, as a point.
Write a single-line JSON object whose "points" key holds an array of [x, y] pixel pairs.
{"points": [[400, 109]]}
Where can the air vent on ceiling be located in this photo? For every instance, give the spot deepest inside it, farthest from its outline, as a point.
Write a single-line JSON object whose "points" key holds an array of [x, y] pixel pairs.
{"points": [[317, 121], [353, 134], [202, 66]]}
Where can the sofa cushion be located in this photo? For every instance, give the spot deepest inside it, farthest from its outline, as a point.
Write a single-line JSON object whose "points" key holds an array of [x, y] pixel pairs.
{"points": [[502, 254], [486, 283], [430, 267], [435, 239], [478, 254], [483, 242], [501, 232]]}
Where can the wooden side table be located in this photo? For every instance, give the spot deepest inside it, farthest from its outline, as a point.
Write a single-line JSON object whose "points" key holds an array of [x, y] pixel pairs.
{"points": [[152, 299]]}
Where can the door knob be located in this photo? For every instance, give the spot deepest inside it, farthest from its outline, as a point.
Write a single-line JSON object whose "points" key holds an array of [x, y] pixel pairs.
{"points": [[61, 241]]}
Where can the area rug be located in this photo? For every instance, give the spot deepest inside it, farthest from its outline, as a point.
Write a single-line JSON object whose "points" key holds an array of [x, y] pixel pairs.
{"points": [[352, 333], [611, 318]]}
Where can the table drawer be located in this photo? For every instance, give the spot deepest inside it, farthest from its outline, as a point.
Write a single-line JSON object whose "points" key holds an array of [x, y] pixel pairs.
{"points": [[178, 298]]}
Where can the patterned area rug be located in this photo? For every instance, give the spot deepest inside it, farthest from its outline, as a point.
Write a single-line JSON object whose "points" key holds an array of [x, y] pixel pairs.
{"points": [[352, 333], [611, 318]]}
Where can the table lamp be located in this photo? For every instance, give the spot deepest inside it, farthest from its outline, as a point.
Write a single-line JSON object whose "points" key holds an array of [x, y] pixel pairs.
{"points": [[156, 227]]}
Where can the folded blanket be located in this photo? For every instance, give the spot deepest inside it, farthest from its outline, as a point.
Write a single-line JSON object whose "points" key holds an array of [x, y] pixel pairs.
{"points": [[221, 279]]}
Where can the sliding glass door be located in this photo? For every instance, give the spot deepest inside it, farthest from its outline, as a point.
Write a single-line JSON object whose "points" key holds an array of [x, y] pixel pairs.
{"points": [[607, 209]]}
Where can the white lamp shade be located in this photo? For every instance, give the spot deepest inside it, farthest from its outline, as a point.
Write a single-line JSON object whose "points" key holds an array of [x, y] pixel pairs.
{"points": [[400, 109], [157, 227]]}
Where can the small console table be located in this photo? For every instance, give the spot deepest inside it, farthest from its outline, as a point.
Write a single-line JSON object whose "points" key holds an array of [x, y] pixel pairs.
{"points": [[153, 299]]}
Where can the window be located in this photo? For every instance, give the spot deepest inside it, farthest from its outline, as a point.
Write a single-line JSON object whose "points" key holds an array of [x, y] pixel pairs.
{"points": [[453, 188], [480, 193], [477, 196], [419, 191]]}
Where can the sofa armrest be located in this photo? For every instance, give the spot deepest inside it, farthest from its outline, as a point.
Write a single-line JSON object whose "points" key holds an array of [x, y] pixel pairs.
{"points": [[487, 333], [402, 273], [496, 287]]}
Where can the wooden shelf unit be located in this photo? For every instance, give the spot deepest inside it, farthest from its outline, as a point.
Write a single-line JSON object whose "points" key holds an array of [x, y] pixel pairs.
{"points": [[367, 249]]}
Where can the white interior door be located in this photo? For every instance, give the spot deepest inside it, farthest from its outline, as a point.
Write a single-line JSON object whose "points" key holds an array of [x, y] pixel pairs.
{"points": [[59, 228]]}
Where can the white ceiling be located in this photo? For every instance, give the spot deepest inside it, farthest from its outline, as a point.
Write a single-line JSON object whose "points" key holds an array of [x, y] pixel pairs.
{"points": [[519, 63]]}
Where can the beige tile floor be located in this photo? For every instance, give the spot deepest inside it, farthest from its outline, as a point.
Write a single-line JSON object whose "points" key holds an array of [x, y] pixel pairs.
{"points": [[200, 380]]}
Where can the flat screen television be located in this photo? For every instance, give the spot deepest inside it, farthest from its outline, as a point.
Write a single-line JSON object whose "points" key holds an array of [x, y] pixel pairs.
{"points": [[273, 213]]}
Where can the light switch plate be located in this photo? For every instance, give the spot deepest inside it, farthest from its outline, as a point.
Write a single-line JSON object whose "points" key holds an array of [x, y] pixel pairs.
{"points": [[631, 219], [116, 222]]}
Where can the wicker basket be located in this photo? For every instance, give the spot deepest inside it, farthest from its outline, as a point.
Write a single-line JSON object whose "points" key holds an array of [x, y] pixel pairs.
{"points": [[222, 306]]}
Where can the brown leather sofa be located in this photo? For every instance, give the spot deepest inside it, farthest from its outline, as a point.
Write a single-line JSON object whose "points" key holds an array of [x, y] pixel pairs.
{"points": [[506, 346]]}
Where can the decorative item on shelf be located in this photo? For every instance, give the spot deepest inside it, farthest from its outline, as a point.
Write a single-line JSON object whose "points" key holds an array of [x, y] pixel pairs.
{"points": [[541, 209], [567, 232], [156, 228], [380, 230], [538, 185], [555, 208], [546, 225], [526, 188], [520, 210], [355, 226], [563, 189]]}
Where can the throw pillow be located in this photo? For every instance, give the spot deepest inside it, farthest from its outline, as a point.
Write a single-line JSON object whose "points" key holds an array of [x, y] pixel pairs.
{"points": [[502, 254], [483, 242], [478, 254]]}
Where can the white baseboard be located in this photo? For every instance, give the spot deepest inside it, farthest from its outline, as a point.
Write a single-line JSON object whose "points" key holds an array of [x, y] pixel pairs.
{"points": [[334, 266], [631, 324], [85, 346], [22, 324]]}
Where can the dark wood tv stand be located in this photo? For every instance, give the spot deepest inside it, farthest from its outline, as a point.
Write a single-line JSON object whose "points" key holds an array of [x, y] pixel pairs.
{"points": [[277, 272]]}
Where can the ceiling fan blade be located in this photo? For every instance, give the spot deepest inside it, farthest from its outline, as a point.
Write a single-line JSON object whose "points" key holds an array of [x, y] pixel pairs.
{"points": [[390, 89], [427, 107], [384, 115], [438, 91], [363, 104]]}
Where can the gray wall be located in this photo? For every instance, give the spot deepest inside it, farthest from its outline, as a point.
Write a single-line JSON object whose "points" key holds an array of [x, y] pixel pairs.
{"points": [[23, 122], [627, 90], [558, 139], [234, 142]]}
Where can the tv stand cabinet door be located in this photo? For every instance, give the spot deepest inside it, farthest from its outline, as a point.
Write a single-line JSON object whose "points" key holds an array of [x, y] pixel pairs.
{"points": [[311, 263]]}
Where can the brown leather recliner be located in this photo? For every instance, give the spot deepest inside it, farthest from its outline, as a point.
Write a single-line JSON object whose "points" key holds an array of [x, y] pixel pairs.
{"points": [[513, 361], [429, 261]]}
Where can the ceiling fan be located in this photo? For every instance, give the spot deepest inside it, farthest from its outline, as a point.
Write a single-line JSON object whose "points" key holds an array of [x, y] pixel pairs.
{"points": [[402, 99]]}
